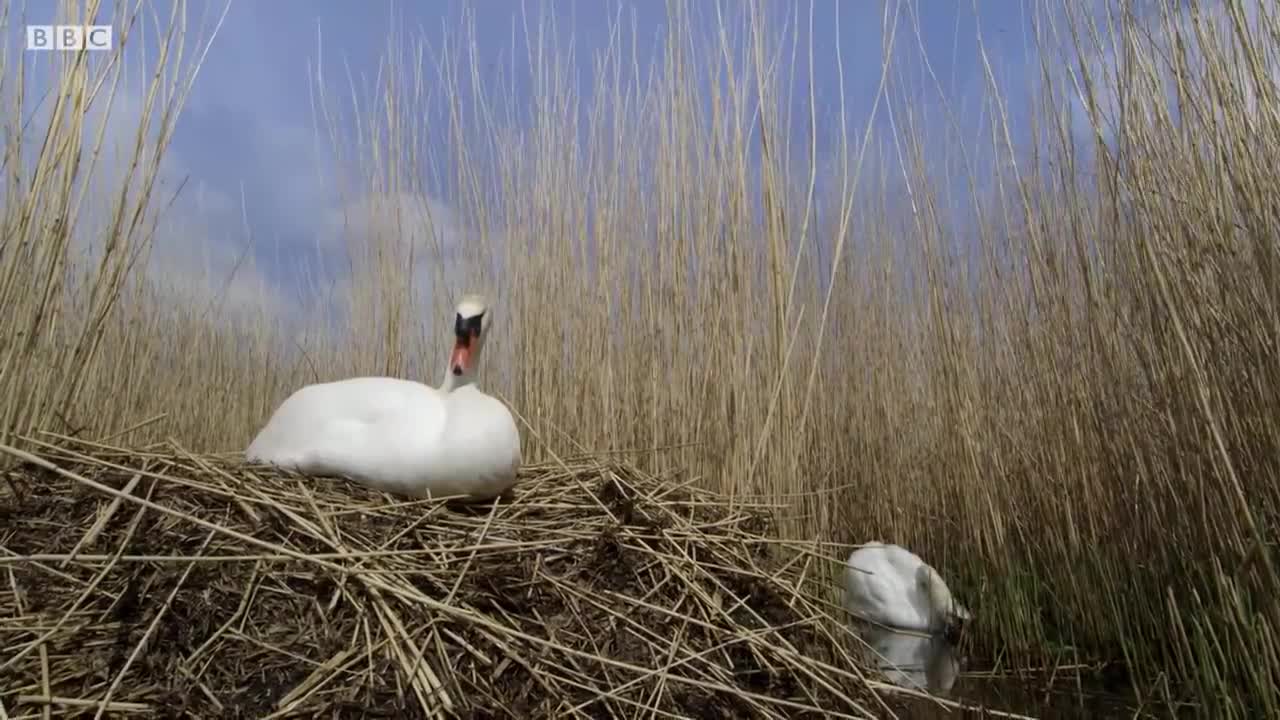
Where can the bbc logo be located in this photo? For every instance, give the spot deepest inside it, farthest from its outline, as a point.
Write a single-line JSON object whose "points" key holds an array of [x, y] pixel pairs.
{"points": [[69, 37]]}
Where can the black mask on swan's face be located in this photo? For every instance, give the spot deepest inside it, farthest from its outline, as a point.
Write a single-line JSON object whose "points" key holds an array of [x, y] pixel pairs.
{"points": [[467, 328], [466, 333]]}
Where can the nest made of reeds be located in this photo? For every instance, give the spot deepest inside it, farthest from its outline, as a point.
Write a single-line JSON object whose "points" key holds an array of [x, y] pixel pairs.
{"points": [[162, 583]]}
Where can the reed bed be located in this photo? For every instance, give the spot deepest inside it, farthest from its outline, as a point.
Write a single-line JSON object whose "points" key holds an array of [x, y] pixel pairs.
{"points": [[160, 582], [1066, 396]]}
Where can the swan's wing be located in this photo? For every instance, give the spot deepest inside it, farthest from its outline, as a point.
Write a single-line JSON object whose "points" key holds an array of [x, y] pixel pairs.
{"points": [[322, 427], [387, 431], [485, 423], [879, 588], [905, 561], [870, 583], [374, 400]]}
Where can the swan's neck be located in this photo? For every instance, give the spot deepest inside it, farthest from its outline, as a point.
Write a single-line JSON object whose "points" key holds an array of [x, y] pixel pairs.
{"points": [[938, 593], [453, 382]]}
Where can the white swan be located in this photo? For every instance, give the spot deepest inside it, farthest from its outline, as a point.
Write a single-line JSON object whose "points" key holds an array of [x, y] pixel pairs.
{"points": [[892, 586], [402, 436]]}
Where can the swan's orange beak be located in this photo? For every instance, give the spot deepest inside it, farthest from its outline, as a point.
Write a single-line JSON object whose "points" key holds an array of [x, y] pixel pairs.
{"points": [[460, 359]]}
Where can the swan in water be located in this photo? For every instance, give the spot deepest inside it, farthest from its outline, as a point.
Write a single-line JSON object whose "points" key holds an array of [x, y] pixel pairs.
{"points": [[892, 586], [923, 662], [401, 436]]}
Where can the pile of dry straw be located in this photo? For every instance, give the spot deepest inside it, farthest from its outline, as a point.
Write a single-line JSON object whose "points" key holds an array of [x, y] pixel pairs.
{"points": [[158, 582]]}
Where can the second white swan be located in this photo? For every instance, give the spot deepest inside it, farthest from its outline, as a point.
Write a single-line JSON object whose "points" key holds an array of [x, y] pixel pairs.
{"points": [[892, 586]]}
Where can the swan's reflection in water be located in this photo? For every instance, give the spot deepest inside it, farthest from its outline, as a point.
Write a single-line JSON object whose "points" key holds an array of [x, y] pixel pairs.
{"points": [[921, 662]]}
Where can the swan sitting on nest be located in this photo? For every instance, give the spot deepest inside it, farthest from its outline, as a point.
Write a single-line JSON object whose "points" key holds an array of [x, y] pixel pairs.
{"points": [[401, 436], [892, 586]]}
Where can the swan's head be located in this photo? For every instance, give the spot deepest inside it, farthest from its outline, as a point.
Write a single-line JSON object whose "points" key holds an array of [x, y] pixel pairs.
{"points": [[949, 616], [470, 325]]}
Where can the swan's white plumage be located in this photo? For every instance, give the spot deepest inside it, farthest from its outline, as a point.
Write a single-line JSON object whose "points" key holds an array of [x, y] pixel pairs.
{"points": [[398, 435], [891, 585]]}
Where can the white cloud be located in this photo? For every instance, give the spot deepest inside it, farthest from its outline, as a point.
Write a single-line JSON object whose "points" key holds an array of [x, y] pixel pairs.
{"points": [[195, 264], [399, 248], [396, 221], [199, 256]]}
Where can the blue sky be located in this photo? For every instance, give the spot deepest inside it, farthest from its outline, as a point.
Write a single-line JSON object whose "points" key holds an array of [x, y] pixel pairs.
{"points": [[248, 134], [249, 119]]}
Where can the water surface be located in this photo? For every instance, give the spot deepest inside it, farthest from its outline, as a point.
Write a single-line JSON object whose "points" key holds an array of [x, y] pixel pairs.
{"points": [[929, 664]]}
